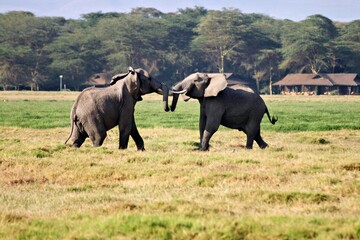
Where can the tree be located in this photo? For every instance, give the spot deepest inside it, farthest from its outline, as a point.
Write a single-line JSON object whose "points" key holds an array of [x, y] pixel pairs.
{"points": [[76, 55], [268, 60], [179, 60], [137, 41], [24, 42], [221, 34], [306, 45], [347, 48]]}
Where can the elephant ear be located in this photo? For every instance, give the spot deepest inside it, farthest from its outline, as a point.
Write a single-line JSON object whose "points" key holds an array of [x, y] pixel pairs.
{"points": [[216, 85], [118, 77], [142, 72], [135, 84]]}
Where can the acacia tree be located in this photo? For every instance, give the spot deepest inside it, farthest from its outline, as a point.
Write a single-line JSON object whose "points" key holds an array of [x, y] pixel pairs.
{"points": [[136, 40], [269, 60], [76, 54], [24, 39], [179, 60], [306, 45], [347, 48], [221, 35]]}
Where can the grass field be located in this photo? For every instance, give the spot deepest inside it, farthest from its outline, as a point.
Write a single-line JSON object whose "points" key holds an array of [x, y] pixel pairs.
{"points": [[306, 185]]}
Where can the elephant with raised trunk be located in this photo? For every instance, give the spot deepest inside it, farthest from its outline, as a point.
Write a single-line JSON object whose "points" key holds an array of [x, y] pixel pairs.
{"points": [[235, 107], [98, 110]]}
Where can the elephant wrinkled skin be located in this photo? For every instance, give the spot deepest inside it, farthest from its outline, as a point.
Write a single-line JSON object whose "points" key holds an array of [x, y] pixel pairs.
{"points": [[235, 107], [98, 110]]}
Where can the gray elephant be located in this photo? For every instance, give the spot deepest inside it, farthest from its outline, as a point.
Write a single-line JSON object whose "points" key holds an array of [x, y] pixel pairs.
{"points": [[98, 110], [235, 107]]}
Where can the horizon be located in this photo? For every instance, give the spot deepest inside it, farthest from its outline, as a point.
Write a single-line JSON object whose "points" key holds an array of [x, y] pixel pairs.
{"points": [[344, 11]]}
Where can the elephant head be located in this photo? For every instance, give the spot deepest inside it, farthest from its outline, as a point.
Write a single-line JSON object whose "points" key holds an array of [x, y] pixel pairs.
{"points": [[198, 86], [146, 83]]}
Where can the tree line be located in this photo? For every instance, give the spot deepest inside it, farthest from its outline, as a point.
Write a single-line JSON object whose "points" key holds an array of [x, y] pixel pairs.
{"points": [[35, 51]]}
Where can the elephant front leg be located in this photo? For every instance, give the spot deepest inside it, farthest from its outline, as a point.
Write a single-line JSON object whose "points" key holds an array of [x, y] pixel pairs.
{"points": [[125, 130], [204, 145], [124, 138], [202, 125], [136, 136], [212, 125]]}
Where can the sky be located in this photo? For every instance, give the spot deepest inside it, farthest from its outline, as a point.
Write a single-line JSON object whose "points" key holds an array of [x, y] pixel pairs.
{"points": [[296, 10]]}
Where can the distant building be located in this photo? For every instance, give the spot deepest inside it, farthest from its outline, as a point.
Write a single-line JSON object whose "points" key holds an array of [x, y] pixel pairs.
{"points": [[97, 80], [321, 83]]}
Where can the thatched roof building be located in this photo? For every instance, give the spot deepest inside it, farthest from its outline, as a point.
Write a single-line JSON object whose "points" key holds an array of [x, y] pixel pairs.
{"points": [[97, 80], [340, 83]]}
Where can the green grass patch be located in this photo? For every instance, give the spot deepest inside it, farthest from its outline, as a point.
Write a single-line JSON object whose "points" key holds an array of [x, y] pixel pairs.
{"points": [[134, 226], [38, 114], [293, 116], [299, 197]]}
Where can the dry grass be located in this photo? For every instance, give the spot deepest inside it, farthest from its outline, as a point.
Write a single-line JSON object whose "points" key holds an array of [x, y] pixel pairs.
{"points": [[31, 95], [305, 185], [300, 175]]}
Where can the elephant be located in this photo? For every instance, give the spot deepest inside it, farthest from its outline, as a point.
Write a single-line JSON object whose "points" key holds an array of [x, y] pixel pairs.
{"points": [[97, 110], [236, 107]]}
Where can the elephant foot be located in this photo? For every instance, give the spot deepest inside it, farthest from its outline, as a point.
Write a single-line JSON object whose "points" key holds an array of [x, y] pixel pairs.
{"points": [[203, 149], [76, 145], [263, 146]]}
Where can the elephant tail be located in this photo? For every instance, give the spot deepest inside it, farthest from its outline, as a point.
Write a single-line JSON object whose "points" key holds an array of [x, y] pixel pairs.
{"points": [[272, 119], [73, 122]]}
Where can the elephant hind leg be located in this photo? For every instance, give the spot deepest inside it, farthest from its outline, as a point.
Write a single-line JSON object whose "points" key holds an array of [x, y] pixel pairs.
{"points": [[98, 138], [262, 144], [78, 142], [79, 138], [249, 141], [251, 135], [95, 128]]}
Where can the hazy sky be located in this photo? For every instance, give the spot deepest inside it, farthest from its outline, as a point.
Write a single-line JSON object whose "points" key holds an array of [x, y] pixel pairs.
{"points": [[337, 10]]}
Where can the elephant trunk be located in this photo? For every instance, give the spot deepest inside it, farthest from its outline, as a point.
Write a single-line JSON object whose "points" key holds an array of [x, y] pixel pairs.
{"points": [[174, 102], [165, 93], [177, 88]]}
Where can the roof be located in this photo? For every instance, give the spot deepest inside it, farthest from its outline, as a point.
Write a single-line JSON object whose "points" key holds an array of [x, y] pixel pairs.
{"points": [[99, 79], [311, 79]]}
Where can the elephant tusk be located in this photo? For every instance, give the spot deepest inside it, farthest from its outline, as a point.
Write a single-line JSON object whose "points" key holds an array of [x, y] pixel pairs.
{"points": [[177, 92]]}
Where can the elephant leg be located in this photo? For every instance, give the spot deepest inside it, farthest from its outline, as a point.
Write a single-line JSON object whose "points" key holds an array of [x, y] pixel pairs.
{"points": [[202, 125], [212, 125], [251, 132], [97, 132], [262, 144], [249, 141], [79, 138], [98, 138], [124, 138], [136, 136], [125, 129]]}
